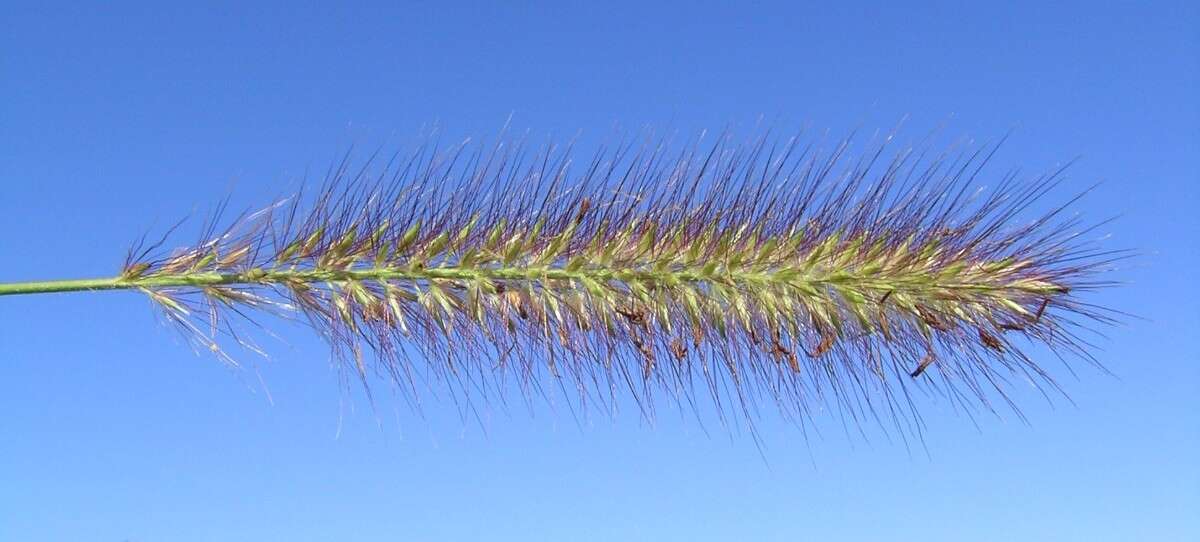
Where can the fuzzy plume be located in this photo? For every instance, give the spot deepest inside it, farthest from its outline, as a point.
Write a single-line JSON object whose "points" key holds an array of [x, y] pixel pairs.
{"points": [[767, 271]]}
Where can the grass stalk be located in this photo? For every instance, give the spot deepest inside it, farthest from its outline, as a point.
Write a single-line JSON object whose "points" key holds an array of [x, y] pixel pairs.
{"points": [[751, 273]]}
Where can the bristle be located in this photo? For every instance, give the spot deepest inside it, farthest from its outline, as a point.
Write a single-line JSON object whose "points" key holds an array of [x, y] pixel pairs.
{"points": [[720, 266]]}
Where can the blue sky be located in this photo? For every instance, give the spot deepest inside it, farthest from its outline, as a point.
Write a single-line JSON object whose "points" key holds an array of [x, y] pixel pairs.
{"points": [[120, 118]]}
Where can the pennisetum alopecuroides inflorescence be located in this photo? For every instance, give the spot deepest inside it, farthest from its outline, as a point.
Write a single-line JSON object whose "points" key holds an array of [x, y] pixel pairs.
{"points": [[764, 271]]}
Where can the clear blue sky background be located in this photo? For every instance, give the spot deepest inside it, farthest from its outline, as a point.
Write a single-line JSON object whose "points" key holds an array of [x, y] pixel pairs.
{"points": [[116, 119]]}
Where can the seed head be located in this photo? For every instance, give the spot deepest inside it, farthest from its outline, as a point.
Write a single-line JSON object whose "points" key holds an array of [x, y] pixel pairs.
{"points": [[742, 272]]}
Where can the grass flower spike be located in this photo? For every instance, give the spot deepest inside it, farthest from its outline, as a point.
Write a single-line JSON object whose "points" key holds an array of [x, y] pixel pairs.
{"points": [[768, 272]]}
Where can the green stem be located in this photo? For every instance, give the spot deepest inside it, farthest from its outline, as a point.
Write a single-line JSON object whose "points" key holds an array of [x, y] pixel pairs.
{"points": [[262, 277], [123, 283], [269, 277], [50, 286]]}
